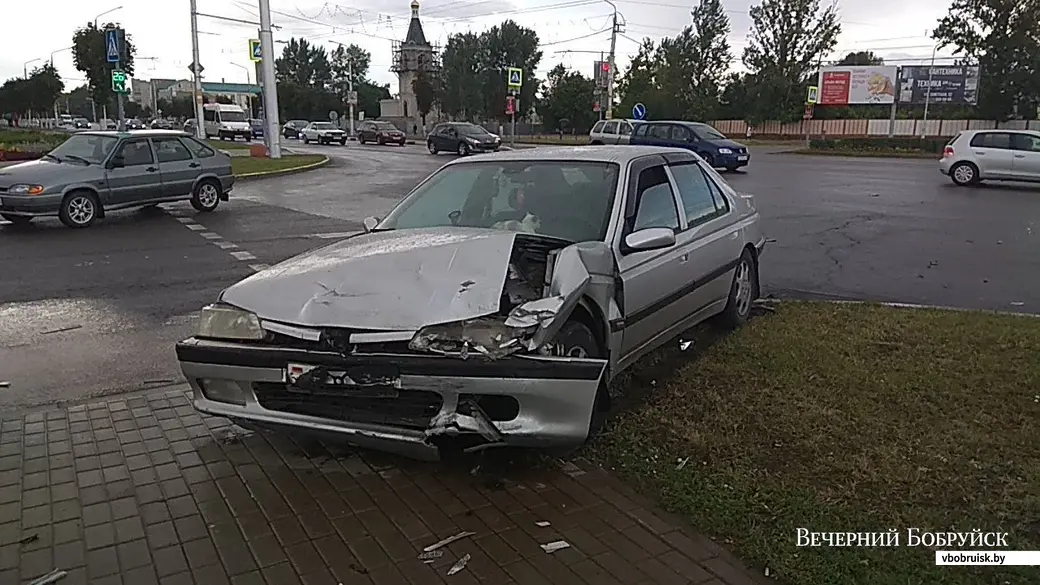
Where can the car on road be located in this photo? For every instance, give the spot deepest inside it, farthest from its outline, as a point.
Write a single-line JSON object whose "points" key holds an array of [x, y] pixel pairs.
{"points": [[134, 124], [258, 127], [323, 133], [710, 144], [998, 155], [226, 122], [492, 306], [95, 172], [461, 138], [81, 124], [379, 132], [107, 124], [292, 128], [612, 131], [161, 124]]}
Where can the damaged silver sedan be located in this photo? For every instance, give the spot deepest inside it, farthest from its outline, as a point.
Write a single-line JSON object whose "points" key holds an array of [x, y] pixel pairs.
{"points": [[491, 307]]}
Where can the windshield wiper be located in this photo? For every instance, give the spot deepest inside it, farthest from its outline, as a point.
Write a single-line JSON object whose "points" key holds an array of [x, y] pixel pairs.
{"points": [[49, 155], [79, 158]]}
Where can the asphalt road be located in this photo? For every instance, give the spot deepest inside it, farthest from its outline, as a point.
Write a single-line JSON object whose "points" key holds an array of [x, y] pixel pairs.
{"points": [[91, 312]]}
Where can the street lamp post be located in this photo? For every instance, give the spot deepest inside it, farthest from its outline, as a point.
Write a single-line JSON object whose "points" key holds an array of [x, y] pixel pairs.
{"points": [[53, 53], [109, 11], [248, 82], [25, 67], [350, 86]]}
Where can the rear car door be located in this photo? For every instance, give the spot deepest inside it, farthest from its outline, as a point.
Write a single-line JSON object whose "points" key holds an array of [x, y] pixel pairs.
{"points": [[177, 167], [610, 132], [624, 131], [595, 133], [653, 280], [993, 154], [710, 241], [138, 179], [1026, 153]]}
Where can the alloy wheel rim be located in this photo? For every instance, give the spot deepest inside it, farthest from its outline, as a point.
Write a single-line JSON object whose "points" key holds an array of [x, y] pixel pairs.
{"points": [[963, 173], [208, 195], [743, 282], [81, 210]]}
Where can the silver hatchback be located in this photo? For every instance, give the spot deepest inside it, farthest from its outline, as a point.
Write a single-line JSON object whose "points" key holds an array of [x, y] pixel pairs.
{"points": [[999, 155], [94, 172], [612, 131]]}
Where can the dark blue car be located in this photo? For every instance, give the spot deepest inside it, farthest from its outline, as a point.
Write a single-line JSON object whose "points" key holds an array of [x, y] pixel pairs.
{"points": [[707, 142]]}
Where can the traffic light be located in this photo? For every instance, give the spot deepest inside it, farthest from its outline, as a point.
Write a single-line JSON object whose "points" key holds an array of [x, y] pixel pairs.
{"points": [[119, 81]]}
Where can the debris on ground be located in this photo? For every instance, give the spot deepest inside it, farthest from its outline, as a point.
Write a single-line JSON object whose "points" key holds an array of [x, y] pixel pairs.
{"points": [[62, 329], [555, 546], [4, 384], [459, 565], [358, 570], [51, 577], [541, 524], [429, 557], [449, 540], [682, 463]]}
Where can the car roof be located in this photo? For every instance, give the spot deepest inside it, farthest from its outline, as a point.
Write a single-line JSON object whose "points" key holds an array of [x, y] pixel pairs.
{"points": [[621, 154], [1007, 130], [117, 134]]}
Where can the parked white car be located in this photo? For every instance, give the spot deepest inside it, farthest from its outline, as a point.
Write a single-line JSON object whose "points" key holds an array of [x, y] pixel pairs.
{"points": [[322, 133], [997, 155]]}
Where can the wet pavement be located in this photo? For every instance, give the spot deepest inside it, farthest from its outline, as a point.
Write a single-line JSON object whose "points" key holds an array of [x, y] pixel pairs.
{"points": [[144, 490], [109, 302]]}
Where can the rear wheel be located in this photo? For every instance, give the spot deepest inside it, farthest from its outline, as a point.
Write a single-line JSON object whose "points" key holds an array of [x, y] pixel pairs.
{"points": [[964, 173], [206, 196], [361, 138], [463, 149]]}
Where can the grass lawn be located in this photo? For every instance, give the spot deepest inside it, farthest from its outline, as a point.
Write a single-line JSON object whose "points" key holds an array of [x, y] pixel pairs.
{"points": [[228, 145], [245, 164], [848, 418], [867, 153]]}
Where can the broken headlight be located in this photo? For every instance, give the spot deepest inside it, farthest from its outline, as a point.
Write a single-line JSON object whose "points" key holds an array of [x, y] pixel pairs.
{"points": [[486, 337], [221, 321]]}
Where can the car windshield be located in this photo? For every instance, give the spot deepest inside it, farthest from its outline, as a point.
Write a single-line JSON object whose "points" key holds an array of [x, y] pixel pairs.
{"points": [[91, 148], [384, 126], [81, 119], [569, 200], [322, 126], [471, 130], [708, 133], [232, 116], [299, 123]]}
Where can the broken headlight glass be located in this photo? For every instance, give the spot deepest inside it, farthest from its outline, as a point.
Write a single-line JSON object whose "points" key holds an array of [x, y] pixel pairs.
{"points": [[220, 321]]}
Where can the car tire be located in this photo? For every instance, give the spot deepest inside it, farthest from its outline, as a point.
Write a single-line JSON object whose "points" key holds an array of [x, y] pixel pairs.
{"points": [[206, 196], [575, 339], [463, 149], [343, 142], [964, 173], [361, 138], [79, 209], [431, 147], [306, 140], [380, 141], [18, 220], [742, 292], [732, 169], [710, 160]]}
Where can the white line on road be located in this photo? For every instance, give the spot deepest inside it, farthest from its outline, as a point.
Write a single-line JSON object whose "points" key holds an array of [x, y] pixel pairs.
{"points": [[243, 255], [225, 245], [259, 267], [195, 227], [210, 235], [218, 240]]}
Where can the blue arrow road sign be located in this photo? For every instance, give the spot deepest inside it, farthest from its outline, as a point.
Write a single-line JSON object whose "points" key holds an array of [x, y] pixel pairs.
{"points": [[639, 111], [112, 45]]}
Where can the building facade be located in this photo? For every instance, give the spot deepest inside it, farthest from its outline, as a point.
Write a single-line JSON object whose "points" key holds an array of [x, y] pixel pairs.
{"points": [[413, 58]]}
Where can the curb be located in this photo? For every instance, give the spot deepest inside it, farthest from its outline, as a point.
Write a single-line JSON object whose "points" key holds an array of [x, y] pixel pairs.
{"points": [[289, 171], [894, 305], [864, 154]]}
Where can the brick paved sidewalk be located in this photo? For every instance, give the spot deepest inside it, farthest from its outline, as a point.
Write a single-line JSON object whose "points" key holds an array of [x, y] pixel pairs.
{"points": [[145, 490]]}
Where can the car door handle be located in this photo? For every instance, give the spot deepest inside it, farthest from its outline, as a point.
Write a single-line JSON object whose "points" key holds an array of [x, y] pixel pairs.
{"points": [[980, 153], [151, 169], [683, 259], [194, 165], [1020, 156]]}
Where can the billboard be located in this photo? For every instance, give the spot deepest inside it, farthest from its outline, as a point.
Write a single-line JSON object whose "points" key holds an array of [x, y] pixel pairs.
{"points": [[950, 84], [843, 86]]}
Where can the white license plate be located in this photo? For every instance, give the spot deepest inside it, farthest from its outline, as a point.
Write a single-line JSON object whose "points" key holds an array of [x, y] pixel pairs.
{"points": [[742, 157]]}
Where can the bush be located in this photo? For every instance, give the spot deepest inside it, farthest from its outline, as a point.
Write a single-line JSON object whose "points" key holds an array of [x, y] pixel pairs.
{"points": [[882, 144]]}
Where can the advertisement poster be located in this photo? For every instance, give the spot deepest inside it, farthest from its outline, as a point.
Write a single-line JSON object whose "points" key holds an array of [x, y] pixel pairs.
{"points": [[843, 86], [950, 84]]}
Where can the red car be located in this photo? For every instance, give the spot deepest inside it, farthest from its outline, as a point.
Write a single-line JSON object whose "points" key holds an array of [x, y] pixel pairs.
{"points": [[379, 132]]}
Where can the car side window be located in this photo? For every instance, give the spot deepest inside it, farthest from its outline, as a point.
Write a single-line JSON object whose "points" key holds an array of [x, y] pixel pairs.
{"points": [[598, 127], [197, 148], [1001, 140], [641, 130], [1025, 142], [209, 115], [681, 134], [661, 131], [624, 128], [655, 202], [700, 197], [610, 128], [136, 152], [446, 130], [170, 150]]}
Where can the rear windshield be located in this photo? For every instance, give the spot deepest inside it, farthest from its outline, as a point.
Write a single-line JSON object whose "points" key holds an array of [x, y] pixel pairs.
{"points": [[323, 126]]}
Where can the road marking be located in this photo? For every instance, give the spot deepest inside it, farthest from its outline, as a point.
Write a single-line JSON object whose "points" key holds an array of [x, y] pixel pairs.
{"points": [[243, 255], [259, 267], [195, 227], [210, 235], [218, 240], [225, 245]]}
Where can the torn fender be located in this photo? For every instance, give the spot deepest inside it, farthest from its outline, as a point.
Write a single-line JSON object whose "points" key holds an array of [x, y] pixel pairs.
{"points": [[571, 276]]}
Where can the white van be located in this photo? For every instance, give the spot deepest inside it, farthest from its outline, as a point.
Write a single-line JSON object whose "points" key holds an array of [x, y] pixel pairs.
{"points": [[226, 122]]}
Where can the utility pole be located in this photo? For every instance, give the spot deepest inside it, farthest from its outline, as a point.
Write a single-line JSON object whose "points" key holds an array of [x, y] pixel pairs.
{"points": [[196, 73], [350, 89], [610, 59], [270, 85], [928, 95]]}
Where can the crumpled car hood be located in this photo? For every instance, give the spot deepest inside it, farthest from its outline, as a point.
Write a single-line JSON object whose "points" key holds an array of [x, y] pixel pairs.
{"points": [[393, 280]]}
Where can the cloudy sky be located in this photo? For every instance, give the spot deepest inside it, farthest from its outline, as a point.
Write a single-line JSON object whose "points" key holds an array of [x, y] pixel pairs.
{"points": [[571, 31]]}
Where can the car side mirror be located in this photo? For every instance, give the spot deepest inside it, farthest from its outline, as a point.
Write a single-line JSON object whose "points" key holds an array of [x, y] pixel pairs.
{"points": [[655, 238], [454, 217], [370, 223], [117, 162]]}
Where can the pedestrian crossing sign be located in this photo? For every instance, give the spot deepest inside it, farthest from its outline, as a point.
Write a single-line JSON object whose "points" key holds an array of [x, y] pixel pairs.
{"points": [[516, 78], [254, 49]]}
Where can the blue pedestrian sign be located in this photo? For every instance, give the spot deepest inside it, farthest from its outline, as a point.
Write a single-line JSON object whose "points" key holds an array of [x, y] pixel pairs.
{"points": [[638, 111], [254, 49], [516, 78], [112, 45]]}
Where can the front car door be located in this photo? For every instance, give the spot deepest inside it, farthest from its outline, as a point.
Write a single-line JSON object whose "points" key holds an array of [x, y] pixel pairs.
{"points": [[652, 280], [711, 240], [177, 167], [640, 134], [448, 138], [1026, 152], [993, 154], [138, 177]]}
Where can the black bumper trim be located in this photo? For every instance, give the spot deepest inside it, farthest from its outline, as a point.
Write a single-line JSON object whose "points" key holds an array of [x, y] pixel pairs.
{"points": [[254, 356]]}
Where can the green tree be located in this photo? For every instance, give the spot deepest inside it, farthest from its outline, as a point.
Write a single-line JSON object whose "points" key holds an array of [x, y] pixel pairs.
{"points": [[15, 98], [425, 93], [639, 84], [89, 57], [787, 39], [350, 64], [43, 88], [460, 64], [567, 98], [1003, 38], [692, 65], [861, 58], [303, 64], [369, 96], [178, 107], [77, 101]]}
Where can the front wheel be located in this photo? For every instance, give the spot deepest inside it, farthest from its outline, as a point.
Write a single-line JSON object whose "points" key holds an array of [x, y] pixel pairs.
{"points": [[964, 174], [343, 142], [742, 292], [361, 138], [79, 209], [206, 196], [710, 160], [576, 340], [306, 140], [463, 149], [431, 147]]}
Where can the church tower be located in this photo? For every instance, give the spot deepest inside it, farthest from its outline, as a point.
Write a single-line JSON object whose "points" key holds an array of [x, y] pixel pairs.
{"points": [[413, 57]]}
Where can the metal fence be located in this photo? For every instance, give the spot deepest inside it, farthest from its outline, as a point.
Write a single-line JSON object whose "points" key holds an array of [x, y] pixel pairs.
{"points": [[865, 128]]}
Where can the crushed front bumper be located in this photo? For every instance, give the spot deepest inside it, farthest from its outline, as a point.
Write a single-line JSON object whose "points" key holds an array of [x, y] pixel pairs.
{"points": [[550, 399]]}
